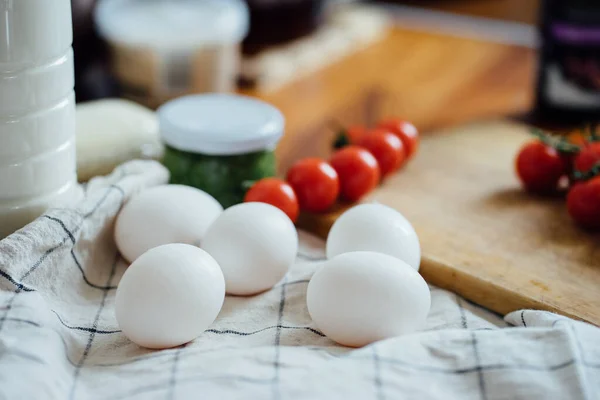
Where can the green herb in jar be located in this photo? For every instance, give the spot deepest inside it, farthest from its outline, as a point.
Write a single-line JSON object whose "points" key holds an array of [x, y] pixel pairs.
{"points": [[223, 177]]}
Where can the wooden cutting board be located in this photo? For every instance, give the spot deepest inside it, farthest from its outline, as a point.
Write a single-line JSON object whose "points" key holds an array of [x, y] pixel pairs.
{"points": [[482, 236]]}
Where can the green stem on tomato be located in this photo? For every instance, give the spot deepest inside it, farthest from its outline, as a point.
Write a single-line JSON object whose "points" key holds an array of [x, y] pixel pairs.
{"points": [[560, 144], [341, 137], [587, 175], [593, 129], [247, 185], [341, 140]]}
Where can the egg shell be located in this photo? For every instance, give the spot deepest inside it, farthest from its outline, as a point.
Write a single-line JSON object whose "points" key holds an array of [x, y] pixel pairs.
{"points": [[169, 296], [375, 227], [362, 297], [162, 215], [255, 244]]}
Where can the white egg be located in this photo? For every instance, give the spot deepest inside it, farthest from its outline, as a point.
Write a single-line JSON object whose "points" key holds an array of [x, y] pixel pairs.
{"points": [[378, 228], [162, 215], [362, 297], [169, 296], [255, 244]]}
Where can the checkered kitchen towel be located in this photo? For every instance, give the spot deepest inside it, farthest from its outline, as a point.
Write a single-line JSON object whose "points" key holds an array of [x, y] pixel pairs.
{"points": [[59, 338]]}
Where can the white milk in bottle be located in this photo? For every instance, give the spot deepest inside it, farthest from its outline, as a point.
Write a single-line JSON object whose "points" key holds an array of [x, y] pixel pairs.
{"points": [[37, 110]]}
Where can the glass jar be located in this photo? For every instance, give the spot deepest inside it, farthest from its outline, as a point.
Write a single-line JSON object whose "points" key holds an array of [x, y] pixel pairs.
{"points": [[164, 49], [220, 143], [568, 89]]}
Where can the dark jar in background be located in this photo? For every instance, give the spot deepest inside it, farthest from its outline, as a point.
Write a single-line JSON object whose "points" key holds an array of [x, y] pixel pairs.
{"points": [[274, 22], [93, 80], [568, 87]]}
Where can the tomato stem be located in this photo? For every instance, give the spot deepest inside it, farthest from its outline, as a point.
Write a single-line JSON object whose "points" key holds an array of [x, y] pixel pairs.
{"points": [[560, 144], [587, 175], [593, 130], [341, 140], [247, 185]]}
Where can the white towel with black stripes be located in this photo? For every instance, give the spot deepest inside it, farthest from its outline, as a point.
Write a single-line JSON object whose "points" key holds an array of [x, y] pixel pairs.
{"points": [[59, 338]]}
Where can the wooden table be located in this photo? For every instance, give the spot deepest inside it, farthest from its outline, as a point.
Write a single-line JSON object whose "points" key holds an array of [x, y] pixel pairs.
{"points": [[433, 80]]}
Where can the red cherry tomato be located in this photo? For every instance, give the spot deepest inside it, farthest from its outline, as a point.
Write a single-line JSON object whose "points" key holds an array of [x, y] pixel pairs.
{"points": [[355, 133], [405, 132], [277, 193], [583, 203], [387, 149], [316, 184], [587, 157], [348, 136], [540, 167], [358, 171]]}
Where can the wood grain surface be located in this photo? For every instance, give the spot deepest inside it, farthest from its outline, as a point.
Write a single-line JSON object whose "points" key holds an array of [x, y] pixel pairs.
{"points": [[482, 236], [432, 80], [510, 10]]}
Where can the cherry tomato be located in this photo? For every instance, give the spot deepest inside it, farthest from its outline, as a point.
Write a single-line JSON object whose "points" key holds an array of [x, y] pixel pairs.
{"points": [[583, 203], [387, 149], [540, 167], [358, 171], [405, 132], [348, 136], [587, 157], [316, 184], [355, 133], [277, 193]]}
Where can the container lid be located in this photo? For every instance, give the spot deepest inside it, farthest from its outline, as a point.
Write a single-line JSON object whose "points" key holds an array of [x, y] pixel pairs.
{"points": [[172, 24], [220, 124]]}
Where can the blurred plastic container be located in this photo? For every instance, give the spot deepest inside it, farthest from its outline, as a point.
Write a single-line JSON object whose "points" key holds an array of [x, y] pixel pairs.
{"points": [[37, 110], [164, 49]]}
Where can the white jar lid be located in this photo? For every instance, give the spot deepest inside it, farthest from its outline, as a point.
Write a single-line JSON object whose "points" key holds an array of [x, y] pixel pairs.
{"points": [[33, 31], [220, 124], [172, 24]]}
